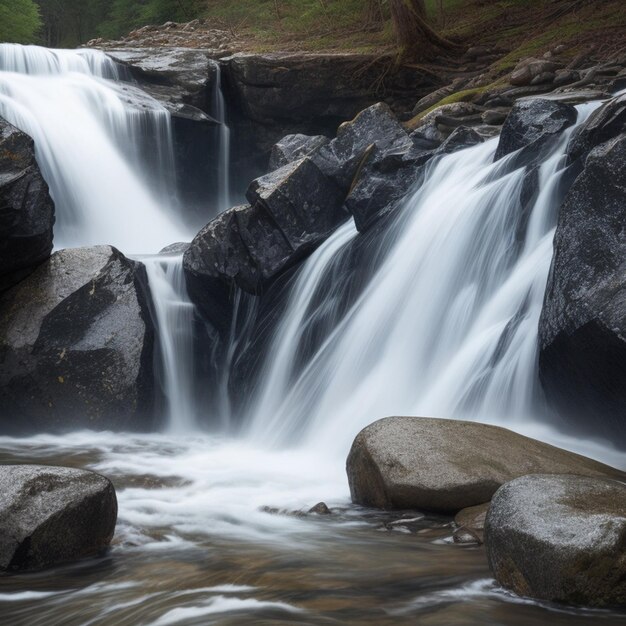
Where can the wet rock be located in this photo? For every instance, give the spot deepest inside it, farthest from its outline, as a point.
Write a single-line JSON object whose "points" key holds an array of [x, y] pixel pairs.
{"points": [[532, 124], [495, 117], [376, 125], [292, 211], [560, 538], [52, 515], [605, 123], [438, 95], [582, 360], [321, 508], [467, 536], [26, 209], [294, 147], [175, 248], [473, 517], [448, 465], [545, 78], [77, 345]]}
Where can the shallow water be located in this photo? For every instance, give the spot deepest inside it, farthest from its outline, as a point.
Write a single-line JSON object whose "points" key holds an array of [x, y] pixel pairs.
{"points": [[194, 546]]}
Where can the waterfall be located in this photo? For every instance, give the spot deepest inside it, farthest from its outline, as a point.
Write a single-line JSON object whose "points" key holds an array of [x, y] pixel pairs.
{"points": [[219, 112], [105, 148], [174, 315], [447, 323], [107, 157]]}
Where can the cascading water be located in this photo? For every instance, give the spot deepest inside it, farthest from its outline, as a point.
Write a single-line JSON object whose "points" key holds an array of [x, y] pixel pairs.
{"points": [[219, 111], [106, 152], [447, 325], [88, 142]]}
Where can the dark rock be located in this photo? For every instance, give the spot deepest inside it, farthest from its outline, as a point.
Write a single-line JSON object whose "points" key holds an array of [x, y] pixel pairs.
{"points": [[53, 515], [438, 95], [176, 248], [545, 78], [293, 210], [26, 209], [448, 465], [532, 124], [560, 538], [582, 361], [77, 345], [294, 147], [606, 122], [565, 77], [320, 508], [376, 125], [467, 536]]}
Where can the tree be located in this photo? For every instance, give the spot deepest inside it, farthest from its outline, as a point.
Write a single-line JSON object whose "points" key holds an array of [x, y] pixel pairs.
{"points": [[19, 21], [415, 36]]}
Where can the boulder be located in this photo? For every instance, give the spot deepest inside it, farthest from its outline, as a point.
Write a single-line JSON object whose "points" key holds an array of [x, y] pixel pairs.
{"points": [[447, 465], [53, 515], [582, 330], [291, 211], [294, 147], [529, 69], [560, 538], [77, 345], [606, 122], [376, 125], [532, 123], [26, 209]]}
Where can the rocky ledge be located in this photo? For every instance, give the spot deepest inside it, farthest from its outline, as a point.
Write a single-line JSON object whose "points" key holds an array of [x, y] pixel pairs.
{"points": [[53, 515]]}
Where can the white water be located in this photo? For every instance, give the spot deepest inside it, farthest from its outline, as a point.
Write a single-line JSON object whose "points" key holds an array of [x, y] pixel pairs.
{"points": [[446, 327], [219, 112], [89, 142]]}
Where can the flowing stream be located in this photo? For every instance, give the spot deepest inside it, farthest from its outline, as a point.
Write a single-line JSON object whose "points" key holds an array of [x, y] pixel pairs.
{"points": [[445, 325]]}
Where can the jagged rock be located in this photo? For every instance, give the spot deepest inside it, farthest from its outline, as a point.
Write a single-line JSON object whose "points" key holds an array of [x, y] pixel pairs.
{"points": [[26, 209], [321, 508], [77, 345], [384, 179], [606, 122], [294, 147], [52, 515], [448, 465], [495, 117], [560, 538], [376, 125], [582, 361], [532, 124], [529, 69], [293, 210]]}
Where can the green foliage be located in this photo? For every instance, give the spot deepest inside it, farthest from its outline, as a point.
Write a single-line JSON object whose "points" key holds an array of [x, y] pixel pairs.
{"points": [[19, 21]]}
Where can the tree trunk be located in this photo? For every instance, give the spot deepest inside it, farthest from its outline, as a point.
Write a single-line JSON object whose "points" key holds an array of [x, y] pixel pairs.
{"points": [[415, 37]]}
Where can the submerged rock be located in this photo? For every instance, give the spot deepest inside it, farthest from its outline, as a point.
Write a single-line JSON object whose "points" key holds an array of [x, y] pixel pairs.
{"points": [[560, 538], [26, 209], [582, 360], [447, 465], [77, 345], [531, 124], [52, 515]]}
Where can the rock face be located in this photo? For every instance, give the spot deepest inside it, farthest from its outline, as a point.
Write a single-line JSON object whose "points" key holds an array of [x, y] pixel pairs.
{"points": [[605, 123], [582, 361], [292, 210], [448, 465], [560, 538], [293, 147], [77, 345], [52, 515], [532, 124], [26, 209]]}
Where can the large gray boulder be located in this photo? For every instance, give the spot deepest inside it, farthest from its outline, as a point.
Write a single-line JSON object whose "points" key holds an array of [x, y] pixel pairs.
{"points": [[582, 360], [52, 515], [293, 147], [448, 465], [560, 538], [532, 124], [26, 209], [77, 345]]}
